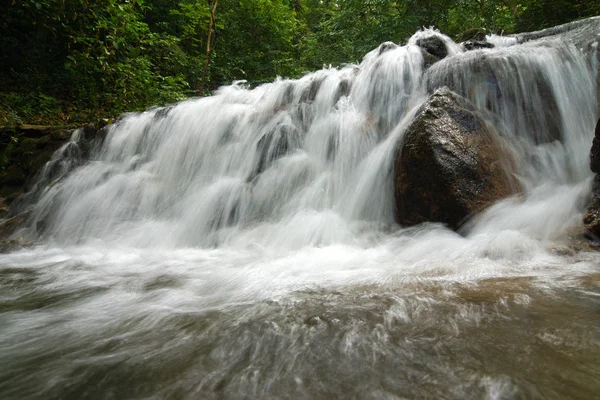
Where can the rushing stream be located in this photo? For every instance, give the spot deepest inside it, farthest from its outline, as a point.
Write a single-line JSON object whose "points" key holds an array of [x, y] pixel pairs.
{"points": [[243, 245]]}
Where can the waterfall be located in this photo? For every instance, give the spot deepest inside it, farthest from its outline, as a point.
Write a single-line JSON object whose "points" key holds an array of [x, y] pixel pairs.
{"points": [[308, 161], [243, 245]]}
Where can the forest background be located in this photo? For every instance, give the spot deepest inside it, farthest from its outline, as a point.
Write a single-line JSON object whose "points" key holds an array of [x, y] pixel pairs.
{"points": [[65, 62]]}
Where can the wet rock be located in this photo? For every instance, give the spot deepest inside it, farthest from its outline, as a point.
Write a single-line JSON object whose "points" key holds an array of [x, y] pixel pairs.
{"points": [[451, 166], [476, 44], [93, 135], [161, 113], [274, 145], [591, 219], [595, 150], [310, 93], [386, 46], [433, 45], [428, 59], [344, 88], [10, 226], [3, 207], [433, 49]]}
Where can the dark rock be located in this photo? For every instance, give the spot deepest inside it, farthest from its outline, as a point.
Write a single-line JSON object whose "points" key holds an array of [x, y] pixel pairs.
{"points": [[310, 93], [93, 136], [386, 46], [3, 207], [274, 145], [61, 135], [451, 166], [6, 246], [12, 176], [591, 218], [9, 227], [344, 88], [428, 59], [476, 44], [161, 113], [595, 151], [434, 45]]}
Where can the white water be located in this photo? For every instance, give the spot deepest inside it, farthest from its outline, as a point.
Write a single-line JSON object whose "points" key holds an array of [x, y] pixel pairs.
{"points": [[257, 194]]}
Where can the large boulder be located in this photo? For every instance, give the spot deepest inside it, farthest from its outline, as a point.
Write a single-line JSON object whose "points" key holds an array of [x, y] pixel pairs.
{"points": [[451, 164]]}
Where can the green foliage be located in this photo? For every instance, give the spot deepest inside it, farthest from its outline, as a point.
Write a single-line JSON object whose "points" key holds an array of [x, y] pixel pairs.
{"points": [[16, 107], [94, 55], [72, 60], [539, 14], [257, 42], [7, 151]]}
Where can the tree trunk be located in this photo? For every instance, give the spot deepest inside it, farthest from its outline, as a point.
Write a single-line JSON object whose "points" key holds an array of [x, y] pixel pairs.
{"points": [[210, 44]]}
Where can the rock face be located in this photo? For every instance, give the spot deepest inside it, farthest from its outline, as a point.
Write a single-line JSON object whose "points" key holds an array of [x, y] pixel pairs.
{"points": [[592, 216], [451, 164]]}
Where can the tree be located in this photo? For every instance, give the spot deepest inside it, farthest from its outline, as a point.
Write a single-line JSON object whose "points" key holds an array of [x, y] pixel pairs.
{"points": [[210, 43]]}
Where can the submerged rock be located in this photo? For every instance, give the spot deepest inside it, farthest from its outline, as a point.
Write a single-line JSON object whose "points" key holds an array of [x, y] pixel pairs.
{"points": [[451, 165]]}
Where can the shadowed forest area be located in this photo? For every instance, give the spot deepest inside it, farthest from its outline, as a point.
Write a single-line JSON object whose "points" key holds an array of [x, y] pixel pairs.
{"points": [[70, 61]]}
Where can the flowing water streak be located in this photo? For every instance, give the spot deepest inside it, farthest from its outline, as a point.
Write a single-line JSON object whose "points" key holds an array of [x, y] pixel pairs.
{"points": [[243, 246]]}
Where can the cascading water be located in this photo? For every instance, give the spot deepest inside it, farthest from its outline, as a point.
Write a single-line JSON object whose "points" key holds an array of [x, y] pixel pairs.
{"points": [[244, 245]]}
